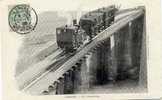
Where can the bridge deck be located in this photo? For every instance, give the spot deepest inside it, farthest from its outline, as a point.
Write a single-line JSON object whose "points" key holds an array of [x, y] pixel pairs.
{"points": [[42, 83]]}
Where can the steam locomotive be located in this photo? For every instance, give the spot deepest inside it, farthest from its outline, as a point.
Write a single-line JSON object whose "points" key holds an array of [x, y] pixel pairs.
{"points": [[70, 38]]}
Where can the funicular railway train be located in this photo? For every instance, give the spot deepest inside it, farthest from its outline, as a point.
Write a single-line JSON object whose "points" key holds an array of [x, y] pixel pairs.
{"points": [[70, 38]]}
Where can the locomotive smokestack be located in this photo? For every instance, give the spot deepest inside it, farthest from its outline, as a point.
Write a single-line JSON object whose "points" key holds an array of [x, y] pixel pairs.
{"points": [[74, 21]]}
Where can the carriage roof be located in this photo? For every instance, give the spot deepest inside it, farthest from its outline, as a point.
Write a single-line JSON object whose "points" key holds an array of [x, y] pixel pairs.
{"points": [[96, 13], [91, 16], [66, 27], [105, 9]]}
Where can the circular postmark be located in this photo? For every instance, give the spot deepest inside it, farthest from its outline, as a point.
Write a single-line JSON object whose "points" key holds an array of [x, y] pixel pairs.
{"points": [[22, 19]]}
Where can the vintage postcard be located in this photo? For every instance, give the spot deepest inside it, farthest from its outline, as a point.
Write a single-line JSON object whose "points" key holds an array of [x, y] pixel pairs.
{"points": [[81, 49]]}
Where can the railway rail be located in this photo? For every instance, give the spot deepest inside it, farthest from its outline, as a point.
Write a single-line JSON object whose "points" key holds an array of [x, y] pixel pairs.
{"points": [[36, 70], [42, 82]]}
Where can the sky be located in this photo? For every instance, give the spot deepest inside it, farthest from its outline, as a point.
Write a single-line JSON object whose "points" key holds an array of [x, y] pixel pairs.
{"points": [[46, 5], [42, 5], [79, 5]]}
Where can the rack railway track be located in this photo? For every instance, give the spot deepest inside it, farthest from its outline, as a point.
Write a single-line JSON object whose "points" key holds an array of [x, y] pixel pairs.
{"points": [[56, 70]]}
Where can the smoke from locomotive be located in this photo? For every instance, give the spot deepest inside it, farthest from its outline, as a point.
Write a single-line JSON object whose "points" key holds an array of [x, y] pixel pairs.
{"points": [[70, 38]]}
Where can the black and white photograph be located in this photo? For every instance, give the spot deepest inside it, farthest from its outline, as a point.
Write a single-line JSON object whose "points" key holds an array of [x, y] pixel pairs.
{"points": [[64, 48], [97, 51]]}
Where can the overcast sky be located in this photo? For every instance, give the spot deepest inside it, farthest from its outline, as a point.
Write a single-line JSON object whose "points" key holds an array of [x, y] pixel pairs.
{"points": [[42, 5]]}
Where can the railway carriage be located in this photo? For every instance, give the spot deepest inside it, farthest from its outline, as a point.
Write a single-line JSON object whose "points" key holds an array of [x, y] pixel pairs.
{"points": [[91, 23], [97, 20], [109, 15]]}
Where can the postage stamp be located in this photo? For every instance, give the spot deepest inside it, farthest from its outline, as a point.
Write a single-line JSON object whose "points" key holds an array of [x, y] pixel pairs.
{"points": [[22, 19]]}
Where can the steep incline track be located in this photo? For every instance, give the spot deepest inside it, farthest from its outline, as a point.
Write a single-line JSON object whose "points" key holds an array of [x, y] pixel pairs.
{"points": [[42, 82]]}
